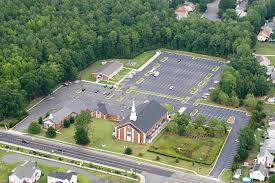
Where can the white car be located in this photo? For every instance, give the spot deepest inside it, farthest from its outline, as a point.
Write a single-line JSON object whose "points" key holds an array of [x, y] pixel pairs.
{"points": [[206, 94], [205, 97], [156, 74], [133, 73], [129, 76], [216, 82], [211, 88], [171, 87]]}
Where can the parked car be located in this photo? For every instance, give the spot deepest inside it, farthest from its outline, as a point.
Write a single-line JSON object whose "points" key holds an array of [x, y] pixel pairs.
{"points": [[24, 141], [211, 88], [171, 87], [129, 76], [205, 97], [216, 82], [65, 84], [96, 91], [83, 89], [111, 87], [105, 86], [206, 94]]}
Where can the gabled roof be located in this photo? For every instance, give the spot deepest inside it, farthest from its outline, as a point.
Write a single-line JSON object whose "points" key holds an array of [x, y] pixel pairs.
{"points": [[182, 10], [109, 68], [25, 170], [102, 108], [259, 167], [62, 175], [59, 116], [147, 115]]}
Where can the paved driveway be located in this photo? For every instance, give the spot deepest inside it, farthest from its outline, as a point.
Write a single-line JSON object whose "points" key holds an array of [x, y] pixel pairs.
{"points": [[212, 11]]}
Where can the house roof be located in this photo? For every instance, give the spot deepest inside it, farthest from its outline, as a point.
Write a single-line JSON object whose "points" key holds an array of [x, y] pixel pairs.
{"points": [[238, 172], [25, 170], [147, 115], [261, 168], [59, 116], [62, 175], [182, 10], [264, 153], [109, 68], [102, 108], [273, 76]]}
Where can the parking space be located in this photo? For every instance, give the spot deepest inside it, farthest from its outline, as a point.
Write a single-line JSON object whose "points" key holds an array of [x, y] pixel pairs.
{"points": [[178, 74]]}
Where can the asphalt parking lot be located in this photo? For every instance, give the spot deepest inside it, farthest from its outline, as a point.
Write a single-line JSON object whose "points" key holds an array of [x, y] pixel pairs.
{"points": [[180, 72], [183, 76]]}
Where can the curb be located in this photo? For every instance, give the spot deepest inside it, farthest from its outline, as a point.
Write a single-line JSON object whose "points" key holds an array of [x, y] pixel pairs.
{"points": [[220, 152], [71, 164], [115, 154], [212, 105]]}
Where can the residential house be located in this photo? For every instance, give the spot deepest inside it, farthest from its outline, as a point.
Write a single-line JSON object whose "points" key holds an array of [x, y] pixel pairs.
{"points": [[108, 70], [264, 34], [55, 120], [25, 173], [269, 144], [143, 124], [103, 112], [265, 158], [270, 132], [272, 77], [259, 172], [183, 11], [62, 177], [237, 174]]}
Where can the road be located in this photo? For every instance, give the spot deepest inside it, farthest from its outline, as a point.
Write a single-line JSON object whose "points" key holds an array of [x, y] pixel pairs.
{"points": [[212, 11], [151, 173]]}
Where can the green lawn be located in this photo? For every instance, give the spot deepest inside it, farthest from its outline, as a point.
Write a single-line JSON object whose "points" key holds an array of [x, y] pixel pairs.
{"points": [[265, 48], [196, 55], [226, 175], [139, 60], [86, 73], [203, 150], [169, 107], [101, 137], [121, 74], [272, 60]]}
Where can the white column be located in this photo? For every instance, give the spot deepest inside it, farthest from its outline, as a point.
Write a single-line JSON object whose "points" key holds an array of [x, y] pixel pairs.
{"points": [[125, 131], [138, 137], [132, 134]]}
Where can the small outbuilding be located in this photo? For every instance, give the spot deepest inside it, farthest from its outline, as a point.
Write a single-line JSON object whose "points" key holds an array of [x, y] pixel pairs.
{"points": [[108, 70]]}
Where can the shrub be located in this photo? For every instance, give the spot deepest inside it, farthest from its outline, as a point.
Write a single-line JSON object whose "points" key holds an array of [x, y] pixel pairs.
{"points": [[71, 120], [128, 151], [40, 120], [34, 128], [157, 158], [177, 160], [51, 133], [140, 154], [66, 123], [272, 179]]}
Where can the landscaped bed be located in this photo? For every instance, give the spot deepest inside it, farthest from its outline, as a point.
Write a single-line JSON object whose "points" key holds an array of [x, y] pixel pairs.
{"points": [[202, 151]]}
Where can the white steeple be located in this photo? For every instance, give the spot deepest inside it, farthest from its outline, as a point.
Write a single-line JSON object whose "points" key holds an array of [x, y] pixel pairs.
{"points": [[133, 116]]}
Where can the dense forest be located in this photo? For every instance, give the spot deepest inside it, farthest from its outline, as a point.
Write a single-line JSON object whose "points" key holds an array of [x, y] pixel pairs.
{"points": [[45, 42]]}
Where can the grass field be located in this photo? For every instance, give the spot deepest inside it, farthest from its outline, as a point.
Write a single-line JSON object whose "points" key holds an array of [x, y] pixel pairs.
{"points": [[139, 60], [86, 73], [226, 176], [196, 55], [272, 60], [265, 48], [203, 150], [101, 137]]}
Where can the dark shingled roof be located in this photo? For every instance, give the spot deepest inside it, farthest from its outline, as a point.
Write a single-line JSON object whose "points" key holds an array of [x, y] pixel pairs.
{"points": [[62, 175], [102, 108], [109, 68], [147, 115]]}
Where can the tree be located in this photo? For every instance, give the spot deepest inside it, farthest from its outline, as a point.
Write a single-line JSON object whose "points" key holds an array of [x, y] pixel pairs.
{"points": [[227, 4], [40, 120], [199, 121], [128, 151], [66, 123], [81, 136], [223, 98], [51, 133], [230, 14], [72, 119], [172, 128], [271, 179], [34, 128], [235, 101], [250, 102], [83, 120]]}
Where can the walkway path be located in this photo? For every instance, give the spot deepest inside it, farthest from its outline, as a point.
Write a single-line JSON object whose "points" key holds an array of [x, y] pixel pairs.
{"points": [[12, 158], [212, 11]]}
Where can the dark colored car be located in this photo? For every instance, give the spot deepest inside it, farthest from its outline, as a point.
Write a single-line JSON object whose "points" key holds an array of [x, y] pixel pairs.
{"points": [[96, 91], [24, 142]]}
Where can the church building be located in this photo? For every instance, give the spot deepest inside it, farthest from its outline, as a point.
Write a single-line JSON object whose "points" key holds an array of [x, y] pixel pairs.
{"points": [[143, 124]]}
